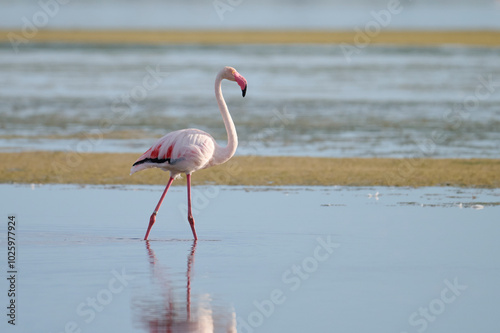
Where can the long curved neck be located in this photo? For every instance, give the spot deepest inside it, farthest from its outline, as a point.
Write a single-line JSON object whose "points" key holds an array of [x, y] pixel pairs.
{"points": [[225, 153]]}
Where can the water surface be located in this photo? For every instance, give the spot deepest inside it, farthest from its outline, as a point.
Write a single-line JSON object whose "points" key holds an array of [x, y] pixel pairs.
{"points": [[303, 100], [268, 259], [240, 14]]}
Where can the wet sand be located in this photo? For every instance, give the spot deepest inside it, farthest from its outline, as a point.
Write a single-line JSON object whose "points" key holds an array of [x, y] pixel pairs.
{"points": [[94, 168], [409, 37]]}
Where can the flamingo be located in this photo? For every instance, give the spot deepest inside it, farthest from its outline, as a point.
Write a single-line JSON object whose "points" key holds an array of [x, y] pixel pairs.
{"points": [[189, 150]]}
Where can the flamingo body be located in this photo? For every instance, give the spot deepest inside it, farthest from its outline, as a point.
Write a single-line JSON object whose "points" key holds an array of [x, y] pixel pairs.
{"points": [[183, 151], [189, 150]]}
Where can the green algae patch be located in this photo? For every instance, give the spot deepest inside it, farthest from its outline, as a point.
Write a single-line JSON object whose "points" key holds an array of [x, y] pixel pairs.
{"points": [[42, 167]]}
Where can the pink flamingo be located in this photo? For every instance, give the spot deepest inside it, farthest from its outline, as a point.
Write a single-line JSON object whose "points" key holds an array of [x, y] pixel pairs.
{"points": [[189, 150]]}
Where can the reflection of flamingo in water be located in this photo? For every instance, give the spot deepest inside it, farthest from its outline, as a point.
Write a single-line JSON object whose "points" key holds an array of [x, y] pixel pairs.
{"points": [[189, 150], [169, 317]]}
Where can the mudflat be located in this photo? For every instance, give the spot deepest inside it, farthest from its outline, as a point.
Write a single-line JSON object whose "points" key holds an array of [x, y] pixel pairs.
{"points": [[105, 168], [402, 37]]}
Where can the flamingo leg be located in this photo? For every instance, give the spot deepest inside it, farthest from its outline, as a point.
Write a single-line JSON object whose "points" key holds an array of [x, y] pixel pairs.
{"points": [[190, 215], [152, 219]]}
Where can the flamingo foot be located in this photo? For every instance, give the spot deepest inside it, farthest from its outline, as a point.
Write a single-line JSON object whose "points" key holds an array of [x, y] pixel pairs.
{"points": [[191, 223], [152, 221]]}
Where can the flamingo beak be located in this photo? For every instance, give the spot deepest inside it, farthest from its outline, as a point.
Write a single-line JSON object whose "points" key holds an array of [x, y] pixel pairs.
{"points": [[241, 82]]}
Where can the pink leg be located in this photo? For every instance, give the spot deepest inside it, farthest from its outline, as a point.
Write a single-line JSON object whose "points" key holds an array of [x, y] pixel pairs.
{"points": [[152, 219], [190, 215]]}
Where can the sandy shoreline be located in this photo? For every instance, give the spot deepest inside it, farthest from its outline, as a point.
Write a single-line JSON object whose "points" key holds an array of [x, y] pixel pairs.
{"points": [[93, 168], [420, 38]]}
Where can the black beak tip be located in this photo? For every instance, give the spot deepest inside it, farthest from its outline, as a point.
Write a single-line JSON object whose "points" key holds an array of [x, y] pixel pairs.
{"points": [[244, 91]]}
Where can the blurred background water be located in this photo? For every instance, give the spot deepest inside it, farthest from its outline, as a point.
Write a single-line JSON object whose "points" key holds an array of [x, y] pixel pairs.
{"points": [[260, 14], [301, 100], [384, 101]]}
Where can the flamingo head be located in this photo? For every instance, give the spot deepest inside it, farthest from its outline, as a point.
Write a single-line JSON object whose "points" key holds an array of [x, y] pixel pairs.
{"points": [[233, 75]]}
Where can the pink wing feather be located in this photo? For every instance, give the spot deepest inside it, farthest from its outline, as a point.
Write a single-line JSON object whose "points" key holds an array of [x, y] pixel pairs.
{"points": [[183, 151]]}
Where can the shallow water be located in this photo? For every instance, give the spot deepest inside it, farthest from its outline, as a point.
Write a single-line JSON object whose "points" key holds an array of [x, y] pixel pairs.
{"points": [[288, 259], [303, 100]]}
